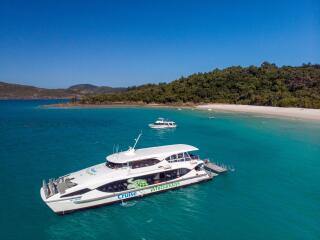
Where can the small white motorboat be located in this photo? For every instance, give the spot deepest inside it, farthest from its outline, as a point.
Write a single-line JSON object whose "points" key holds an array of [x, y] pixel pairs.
{"points": [[162, 123]]}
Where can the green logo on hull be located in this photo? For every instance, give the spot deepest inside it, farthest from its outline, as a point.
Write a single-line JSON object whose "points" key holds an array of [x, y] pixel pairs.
{"points": [[139, 183]]}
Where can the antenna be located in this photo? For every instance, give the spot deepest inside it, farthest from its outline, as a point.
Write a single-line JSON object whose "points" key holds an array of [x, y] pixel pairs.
{"points": [[137, 140], [131, 149]]}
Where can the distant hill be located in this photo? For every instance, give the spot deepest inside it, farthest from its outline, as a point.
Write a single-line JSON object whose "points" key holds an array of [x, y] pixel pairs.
{"points": [[266, 85], [85, 89], [18, 91]]}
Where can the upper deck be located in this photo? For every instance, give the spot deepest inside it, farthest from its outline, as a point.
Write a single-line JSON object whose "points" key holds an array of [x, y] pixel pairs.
{"points": [[159, 153]]}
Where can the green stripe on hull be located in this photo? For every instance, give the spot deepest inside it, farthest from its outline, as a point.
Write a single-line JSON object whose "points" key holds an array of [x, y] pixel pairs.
{"points": [[165, 186]]}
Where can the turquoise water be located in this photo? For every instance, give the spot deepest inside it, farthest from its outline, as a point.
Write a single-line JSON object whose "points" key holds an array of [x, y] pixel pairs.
{"points": [[274, 192]]}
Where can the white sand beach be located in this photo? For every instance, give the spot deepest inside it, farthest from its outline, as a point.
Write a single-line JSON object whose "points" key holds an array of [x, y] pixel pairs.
{"points": [[298, 113]]}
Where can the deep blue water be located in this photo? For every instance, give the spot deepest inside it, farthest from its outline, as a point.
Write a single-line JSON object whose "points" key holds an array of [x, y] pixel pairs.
{"points": [[274, 192]]}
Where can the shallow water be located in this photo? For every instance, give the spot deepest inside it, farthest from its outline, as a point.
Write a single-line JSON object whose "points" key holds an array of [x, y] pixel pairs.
{"points": [[273, 192]]}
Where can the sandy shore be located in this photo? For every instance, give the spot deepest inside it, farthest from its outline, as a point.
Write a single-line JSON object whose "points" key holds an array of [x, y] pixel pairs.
{"points": [[280, 112], [298, 113]]}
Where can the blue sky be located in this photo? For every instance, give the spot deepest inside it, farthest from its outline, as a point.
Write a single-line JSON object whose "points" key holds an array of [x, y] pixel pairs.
{"points": [[123, 43]]}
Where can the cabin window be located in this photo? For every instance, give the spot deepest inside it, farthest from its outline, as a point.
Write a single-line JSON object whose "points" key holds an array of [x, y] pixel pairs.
{"points": [[183, 171], [116, 186], [144, 163], [187, 156], [79, 192], [180, 157], [146, 180], [135, 164], [115, 165]]}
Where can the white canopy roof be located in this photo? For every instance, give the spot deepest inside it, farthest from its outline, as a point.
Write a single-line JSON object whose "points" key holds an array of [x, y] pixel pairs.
{"points": [[160, 153], [162, 120]]}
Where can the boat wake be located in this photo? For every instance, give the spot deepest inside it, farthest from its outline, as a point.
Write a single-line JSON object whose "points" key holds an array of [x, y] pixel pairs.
{"points": [[128, 204]]}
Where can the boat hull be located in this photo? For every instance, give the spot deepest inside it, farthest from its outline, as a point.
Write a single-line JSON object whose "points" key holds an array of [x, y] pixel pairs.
{"points": [[70, 205], [161, 127]]}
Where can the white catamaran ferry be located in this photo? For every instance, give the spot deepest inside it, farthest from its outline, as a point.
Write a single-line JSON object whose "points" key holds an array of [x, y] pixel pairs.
{"points": [[124, 176], [162, 123]]}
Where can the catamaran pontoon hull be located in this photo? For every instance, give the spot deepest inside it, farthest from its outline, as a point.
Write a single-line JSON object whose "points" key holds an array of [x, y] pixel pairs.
{"points": [[78, 203]]}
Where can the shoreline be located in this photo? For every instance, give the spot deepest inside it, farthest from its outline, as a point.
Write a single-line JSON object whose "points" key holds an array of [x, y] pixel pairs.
{"points": [[124, 105], [277, 112]]}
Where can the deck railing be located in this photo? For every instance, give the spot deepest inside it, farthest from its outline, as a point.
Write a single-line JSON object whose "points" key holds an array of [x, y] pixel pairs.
{"points": [[55, 186], [184, 158]]}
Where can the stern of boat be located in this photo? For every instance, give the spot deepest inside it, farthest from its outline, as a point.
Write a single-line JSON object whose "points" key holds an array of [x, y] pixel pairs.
{"points": [[44, 199]]}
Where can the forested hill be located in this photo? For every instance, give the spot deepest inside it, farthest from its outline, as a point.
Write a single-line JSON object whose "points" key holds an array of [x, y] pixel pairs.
{"points": [[18, 91], [267, 85]]}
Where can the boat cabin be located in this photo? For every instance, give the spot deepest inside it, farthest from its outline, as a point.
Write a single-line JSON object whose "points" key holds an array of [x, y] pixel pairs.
{"points": [[146, 157]]}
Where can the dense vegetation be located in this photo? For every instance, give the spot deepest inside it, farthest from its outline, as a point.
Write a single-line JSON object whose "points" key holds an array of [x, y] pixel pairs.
{"points": [[265, 85], [84, 89]]}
